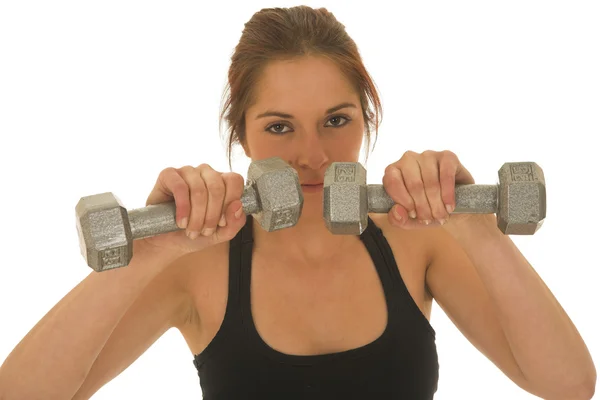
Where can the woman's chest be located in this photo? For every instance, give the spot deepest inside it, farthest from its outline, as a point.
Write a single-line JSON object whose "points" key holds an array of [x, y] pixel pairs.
{"points": [[310, 308]]}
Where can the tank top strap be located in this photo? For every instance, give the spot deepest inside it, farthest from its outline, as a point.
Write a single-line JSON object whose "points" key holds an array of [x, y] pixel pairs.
{"points": [[229, 331], [374, 241], [393, 284], [243, 266], [240, 251]]}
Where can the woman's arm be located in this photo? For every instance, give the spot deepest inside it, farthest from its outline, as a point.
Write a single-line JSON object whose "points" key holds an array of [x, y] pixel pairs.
{"points": [[55, 357], [498, 301]]}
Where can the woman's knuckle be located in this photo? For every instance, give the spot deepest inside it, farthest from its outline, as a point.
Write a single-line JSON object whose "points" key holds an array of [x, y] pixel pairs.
{"points": [[389, 180], [168, 171], [204, 167], [167, 175], [448, 153], [186, 169], [232, 178], [389, 170]]}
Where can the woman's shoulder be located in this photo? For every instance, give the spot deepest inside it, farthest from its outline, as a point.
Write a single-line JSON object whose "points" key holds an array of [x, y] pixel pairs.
{"points": [[206, 263]]}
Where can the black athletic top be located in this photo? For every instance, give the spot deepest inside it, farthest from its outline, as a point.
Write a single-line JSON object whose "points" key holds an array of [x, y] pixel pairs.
{"points": [[401, 364]]}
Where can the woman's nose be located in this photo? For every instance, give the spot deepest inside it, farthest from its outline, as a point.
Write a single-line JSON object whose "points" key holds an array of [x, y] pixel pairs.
{"points": [[310, 150]]}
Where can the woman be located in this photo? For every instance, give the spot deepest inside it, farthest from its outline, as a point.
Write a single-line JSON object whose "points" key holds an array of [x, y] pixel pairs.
{"points": [[302, 313]]}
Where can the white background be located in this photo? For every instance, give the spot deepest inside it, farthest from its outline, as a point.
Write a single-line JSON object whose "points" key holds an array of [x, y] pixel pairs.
{"points": [[101, 96]]}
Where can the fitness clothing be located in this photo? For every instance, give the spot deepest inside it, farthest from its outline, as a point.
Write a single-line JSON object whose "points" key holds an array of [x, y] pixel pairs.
{"points": [[401, 364]]}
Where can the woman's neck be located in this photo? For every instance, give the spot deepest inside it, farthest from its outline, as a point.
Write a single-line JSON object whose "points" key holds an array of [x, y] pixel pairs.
{"points": [[309, 240]]}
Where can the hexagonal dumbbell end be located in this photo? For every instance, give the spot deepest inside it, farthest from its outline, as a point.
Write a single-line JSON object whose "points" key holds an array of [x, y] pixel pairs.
{"points": [[522, 198], [345, 198], [278, 191], [105, 238]]}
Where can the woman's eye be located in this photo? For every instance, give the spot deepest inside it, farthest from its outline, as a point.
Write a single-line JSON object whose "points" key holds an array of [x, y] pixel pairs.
{"points": [[277, 128], [337, 121], [333, 122]]}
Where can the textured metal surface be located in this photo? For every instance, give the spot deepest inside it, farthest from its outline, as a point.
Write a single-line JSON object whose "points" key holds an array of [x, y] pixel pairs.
{"points": [[152, 220], [105, 239], [476, 199], [470, 199], [106, 230], [280, 198], [519, 200], [345, 198], [522, 198]]}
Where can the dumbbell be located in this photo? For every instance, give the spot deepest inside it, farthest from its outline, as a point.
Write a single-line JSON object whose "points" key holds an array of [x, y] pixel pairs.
{"points": [[272, 195], [518, 200]]}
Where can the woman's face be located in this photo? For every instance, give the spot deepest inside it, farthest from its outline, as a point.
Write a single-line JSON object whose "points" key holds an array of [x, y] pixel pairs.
{"points": [[307, 113]]}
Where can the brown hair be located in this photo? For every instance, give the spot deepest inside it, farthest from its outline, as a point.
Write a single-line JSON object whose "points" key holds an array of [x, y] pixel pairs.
{"points": [[286, 33]]}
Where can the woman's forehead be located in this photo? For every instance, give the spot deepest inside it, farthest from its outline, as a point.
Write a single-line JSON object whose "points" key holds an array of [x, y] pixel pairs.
{"points": [[310, 81]]}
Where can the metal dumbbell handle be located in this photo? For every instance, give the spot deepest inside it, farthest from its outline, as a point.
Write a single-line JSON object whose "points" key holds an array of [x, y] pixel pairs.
{"points": [[157, 219], [470, 199]]}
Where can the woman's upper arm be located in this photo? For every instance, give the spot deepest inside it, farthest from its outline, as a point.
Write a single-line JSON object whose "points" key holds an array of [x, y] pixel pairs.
{"points": [[162, 305]]}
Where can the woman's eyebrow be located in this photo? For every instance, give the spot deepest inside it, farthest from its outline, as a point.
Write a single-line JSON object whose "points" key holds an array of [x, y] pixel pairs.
{"points": [[289, 116]]}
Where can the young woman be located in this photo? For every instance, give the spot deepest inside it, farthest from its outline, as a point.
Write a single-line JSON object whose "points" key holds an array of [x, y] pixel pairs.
{"points": [[300, 312]]}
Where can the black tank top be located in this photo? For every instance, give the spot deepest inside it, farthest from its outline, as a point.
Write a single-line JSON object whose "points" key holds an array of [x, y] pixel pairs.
{"points": [[402, 363]]}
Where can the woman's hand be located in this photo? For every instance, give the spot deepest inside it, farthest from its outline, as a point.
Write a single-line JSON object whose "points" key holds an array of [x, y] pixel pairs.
{"points": [[208, 207], [422, 186]]}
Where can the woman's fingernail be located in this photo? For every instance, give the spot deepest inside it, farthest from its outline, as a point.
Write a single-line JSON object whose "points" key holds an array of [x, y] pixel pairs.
{"points": [[412, 214], [442, 221], [183, 223], [222, 221], [193, 235], [448, 208]]}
